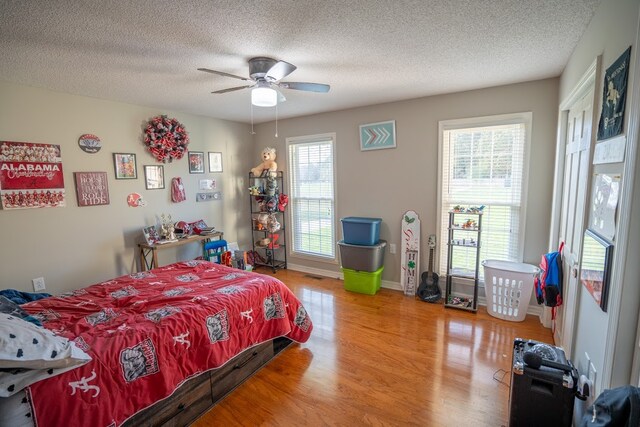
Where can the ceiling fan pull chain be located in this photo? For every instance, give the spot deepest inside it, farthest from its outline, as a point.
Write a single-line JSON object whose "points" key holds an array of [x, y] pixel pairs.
{"points": [[252, 132], [276, 120]]}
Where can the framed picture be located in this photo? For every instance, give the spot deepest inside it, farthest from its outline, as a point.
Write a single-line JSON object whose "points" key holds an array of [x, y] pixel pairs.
{"points": [[614, 97], [154, 177], [28, 185], [92, 188], [377, 136], [151, 234], [196, 162], [595, 266], [604, 203], [215, 162], [125, 165]]}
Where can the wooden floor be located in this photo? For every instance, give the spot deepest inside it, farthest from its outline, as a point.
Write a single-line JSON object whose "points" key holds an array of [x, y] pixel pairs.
{"points": [[381, 360]]}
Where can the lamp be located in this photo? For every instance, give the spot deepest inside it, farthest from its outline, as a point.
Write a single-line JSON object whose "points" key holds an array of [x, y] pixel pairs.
{"points": [[264, 96]]}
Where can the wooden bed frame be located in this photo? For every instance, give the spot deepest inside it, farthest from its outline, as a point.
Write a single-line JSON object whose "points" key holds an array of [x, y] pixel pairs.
{"points": [[199, 394]]}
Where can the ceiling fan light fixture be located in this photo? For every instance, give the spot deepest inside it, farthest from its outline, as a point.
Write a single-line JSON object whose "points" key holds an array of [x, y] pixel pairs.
{"points": [[264, 97]]}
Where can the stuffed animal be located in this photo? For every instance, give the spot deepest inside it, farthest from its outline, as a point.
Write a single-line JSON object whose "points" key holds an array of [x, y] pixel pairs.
{"points": [[268, 163], [283, 199], [263, 242], [272, 224], [271, 187], [263, 218]]}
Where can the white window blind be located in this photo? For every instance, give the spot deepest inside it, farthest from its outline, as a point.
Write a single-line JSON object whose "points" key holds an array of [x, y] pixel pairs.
{"points": [[484, 164], [312, 197]]}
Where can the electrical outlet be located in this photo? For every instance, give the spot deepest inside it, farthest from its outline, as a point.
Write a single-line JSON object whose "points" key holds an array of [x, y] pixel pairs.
{"points": [[38, 284], [392, 248]]}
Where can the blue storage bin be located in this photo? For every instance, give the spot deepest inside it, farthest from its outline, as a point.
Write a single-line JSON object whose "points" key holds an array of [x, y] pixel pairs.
{"points": [[361, 231]]}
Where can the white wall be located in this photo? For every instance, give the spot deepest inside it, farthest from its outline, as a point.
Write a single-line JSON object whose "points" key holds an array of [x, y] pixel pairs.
{"points": [[72, 247], [386, 183], [612, 29]]}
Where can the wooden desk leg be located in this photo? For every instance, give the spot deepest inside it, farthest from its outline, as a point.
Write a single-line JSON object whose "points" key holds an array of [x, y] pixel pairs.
{"points": [[143, 260]]}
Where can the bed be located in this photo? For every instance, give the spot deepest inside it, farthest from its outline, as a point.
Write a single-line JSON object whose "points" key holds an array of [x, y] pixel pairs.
{"points": [[164, 345]]}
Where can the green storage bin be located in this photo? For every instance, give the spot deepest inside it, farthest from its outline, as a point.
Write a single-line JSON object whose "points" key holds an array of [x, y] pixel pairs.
{"points": [[362, 281]]}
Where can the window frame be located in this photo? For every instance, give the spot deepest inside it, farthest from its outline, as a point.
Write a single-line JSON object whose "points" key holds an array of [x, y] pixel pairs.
{"points": [[309, 139], [525, 118]]}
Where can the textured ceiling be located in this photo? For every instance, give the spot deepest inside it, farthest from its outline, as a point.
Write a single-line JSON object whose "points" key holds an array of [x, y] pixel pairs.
{"points": [[146, 52]]}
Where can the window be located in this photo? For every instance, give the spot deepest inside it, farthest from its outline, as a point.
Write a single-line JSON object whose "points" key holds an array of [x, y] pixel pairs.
{"points": [[312, 197], [483, 162]]}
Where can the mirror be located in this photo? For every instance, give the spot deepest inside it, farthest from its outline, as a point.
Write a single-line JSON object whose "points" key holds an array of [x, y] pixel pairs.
{"points": [[595, 265]]}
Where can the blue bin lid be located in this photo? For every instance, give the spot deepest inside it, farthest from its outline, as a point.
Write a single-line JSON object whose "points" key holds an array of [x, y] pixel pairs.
{"points": [[360, 219]]}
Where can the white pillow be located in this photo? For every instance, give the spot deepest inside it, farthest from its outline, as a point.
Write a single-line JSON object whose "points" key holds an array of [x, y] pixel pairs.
{"points": [[29, 354], [25, 345], [14, 380]]}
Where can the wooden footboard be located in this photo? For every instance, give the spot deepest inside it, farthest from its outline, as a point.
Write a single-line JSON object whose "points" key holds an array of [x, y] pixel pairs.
{"points": [[199, 394]]}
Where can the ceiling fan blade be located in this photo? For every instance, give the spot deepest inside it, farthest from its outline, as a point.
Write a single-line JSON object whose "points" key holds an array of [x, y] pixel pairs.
{"points": [[231, 89], [280, 70], [310, 87], [222, 73]]}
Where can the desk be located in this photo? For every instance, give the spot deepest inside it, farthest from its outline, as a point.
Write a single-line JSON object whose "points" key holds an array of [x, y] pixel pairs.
{"points": [[149, 252]]}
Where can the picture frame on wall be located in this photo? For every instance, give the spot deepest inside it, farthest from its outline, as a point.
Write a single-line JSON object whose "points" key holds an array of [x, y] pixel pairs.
{"points": [[614, 97], [154, 177], [378, 136], [215, 162], [196, 162], [92, 188], [595, 266], [125, 165]]}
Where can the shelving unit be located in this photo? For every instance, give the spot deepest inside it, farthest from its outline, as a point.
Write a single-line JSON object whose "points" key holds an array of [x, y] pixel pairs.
{"points": [[463, 237], [274, 254]]}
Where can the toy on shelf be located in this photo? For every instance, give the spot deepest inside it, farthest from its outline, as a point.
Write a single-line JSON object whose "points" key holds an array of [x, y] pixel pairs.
{"points": [[167, 228], [471, 209], [283, 200], [274, 243], [254, 190], [263, 243], [272, 224], [470, 224], [268, 164]]}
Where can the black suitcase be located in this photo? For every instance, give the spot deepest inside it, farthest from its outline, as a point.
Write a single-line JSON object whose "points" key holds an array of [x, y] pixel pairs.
{"points": [[541, 395]]}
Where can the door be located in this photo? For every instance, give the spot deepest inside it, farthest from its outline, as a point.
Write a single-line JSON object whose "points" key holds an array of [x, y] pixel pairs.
{"points": [[572, 215]]}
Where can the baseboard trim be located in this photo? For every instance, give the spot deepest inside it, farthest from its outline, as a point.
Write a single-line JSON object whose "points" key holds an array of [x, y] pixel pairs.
{"points": [[316, 271], [388, 284], [535, 310]]}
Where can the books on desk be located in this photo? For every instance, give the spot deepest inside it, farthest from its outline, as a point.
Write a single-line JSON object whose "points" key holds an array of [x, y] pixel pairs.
{"points": [[163, 241]]}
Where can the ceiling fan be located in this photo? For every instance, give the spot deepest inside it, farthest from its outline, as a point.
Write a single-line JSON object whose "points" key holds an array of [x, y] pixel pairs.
{"points": [[265, 75]]}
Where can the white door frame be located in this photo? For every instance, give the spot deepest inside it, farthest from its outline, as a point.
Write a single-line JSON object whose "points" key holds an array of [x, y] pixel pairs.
{"points": [[620, 255], [588, 82]]}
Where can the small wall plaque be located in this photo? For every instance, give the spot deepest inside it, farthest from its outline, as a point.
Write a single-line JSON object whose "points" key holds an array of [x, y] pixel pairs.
{"points": [[92, 188], [89, 143]]}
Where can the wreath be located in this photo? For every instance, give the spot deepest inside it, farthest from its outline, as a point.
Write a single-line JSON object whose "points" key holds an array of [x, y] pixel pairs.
{"points": [[166, 139]]}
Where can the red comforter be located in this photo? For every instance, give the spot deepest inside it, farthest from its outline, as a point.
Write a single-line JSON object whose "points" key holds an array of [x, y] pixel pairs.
{"points": [[148, 332]]}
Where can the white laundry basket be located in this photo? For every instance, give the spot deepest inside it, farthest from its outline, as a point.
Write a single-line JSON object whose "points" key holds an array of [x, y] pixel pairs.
{"points": [[508, 286]]}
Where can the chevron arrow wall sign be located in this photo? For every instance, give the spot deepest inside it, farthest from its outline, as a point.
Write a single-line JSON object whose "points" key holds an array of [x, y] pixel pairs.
{"points": [[376, 136]]}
